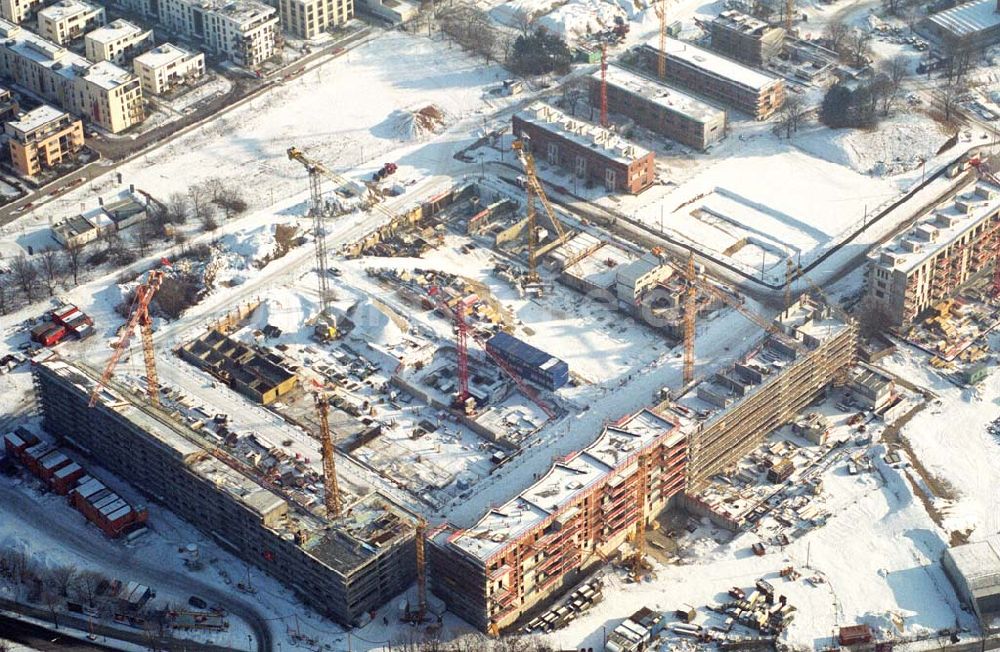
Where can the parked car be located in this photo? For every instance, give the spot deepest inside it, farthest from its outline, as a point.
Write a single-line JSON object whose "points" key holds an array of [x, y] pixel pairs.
{"points": [[197, 602]]}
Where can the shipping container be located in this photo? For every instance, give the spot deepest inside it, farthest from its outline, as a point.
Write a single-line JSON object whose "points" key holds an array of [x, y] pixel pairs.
{"points": [[855, 634], [534, 365]]}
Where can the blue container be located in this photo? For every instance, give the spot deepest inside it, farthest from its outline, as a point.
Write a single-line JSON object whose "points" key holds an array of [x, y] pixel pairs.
{"points": [[532, 364]]}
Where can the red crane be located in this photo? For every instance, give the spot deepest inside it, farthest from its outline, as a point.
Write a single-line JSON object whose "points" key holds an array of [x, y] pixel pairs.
{"points": [[604, 85], [463, 330], [138, 316]]}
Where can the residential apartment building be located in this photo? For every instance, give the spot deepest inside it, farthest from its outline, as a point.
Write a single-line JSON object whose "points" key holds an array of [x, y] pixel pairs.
{"points": [[244, 31], [41, 138], [728, 414], [591, 152], [166, 66], [745, 38], [9, 107], [544, 540], [667, 111], [310, 18], [18, 11], [931, 261], [342, 568], [100, 92], [68, 20], [119, 42], [706, 73]]}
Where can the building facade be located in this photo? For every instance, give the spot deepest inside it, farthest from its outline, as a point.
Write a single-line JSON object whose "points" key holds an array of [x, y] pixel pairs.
{"points": [[930, 262], [544, 540], [41, 138], [969, 27], [167, 66], [724, 80], [739, 406], [342, 570], [745, 38], [9, 106], [68, 20], [119, 42], [974, 570], [100, 92], [310, 18], [592, 153], [660, 108], [18, 11], [246, 32]]}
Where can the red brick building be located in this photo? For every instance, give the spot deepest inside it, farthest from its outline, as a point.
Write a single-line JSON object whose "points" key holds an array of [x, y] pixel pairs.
{"points": [[592, 153]]}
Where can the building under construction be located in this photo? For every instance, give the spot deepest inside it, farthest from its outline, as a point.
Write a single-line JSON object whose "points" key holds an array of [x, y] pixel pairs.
{"points": [[716, 77], [542, 541], [730, 413], [745, 38], [931, 261], [341, 568]]}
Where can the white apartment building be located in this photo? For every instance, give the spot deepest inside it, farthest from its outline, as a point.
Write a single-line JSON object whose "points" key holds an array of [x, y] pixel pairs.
{"points": [[119, 42], [68, 20], [102, 93], [17, 11], [244, 31], [310, 18], [167, 66]]}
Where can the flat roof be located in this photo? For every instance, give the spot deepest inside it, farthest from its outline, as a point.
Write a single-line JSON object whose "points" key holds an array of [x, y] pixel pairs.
{"points": [[67, 9], [979, 564], [612, 452], [940, 227], [585, 134], [714, 64], [36, 118], [600, 267], [115, 30], [662, 94], [163, 55], [967, 19], [239, 10], [741, 22]]}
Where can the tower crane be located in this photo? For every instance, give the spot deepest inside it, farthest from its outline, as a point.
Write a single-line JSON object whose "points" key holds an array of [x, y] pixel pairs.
{"points": [[419, 541], [138, 316], [533, 188], [661, 63], [462, 327], [331, 493], [690, 317], [639, 540]]}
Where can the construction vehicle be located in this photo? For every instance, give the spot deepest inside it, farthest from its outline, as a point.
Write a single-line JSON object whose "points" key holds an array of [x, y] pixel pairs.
{"points": [[386, 170], [138, 316], [533, 189]]}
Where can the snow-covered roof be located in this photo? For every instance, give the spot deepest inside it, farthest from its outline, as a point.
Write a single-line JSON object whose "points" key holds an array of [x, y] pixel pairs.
{"points": [[116, 30], [586, 134], [940, 228], [714, 64], [979, 564], [242, 11], [666, 96], [741, 22], [65, 9], [163, 55], [565, 481], [629, 274], [36, 119], [968, 18]]}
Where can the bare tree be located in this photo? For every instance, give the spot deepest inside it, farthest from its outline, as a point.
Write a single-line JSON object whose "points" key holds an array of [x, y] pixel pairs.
{"points": [[73, 252], [524, 21], [26, 275], [85, 585], [949, 99], [60, 578], [143, 236], [52, 600], [202, 208], [178, 209], [4, 294], [792, 113], [858, 46], [230, 200], [52, 269], [836, 33]]}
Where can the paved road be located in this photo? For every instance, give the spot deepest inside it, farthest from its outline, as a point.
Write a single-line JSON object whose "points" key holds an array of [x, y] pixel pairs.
{"points": [[41, 639], [108, 554]]}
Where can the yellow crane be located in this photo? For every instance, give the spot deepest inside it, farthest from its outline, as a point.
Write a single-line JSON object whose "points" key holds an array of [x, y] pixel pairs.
{"points": [[138, 316], [331, 493], [533, 189], [661, 63]]}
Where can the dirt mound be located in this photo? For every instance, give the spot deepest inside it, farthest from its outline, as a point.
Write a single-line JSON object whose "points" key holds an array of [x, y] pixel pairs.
{"points": [[414, 124]]}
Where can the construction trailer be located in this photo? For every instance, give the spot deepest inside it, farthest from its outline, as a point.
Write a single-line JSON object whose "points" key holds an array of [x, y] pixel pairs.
{"points": [[530, 363], [937, 256], [342, 569], [702, 71], [661, 108], [729, 413], [544, 540], [591, 152], [747, 39]]}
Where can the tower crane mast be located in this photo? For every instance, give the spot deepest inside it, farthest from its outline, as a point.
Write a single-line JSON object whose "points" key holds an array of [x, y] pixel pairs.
{"points": [[331, 493], [138, 316]]}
